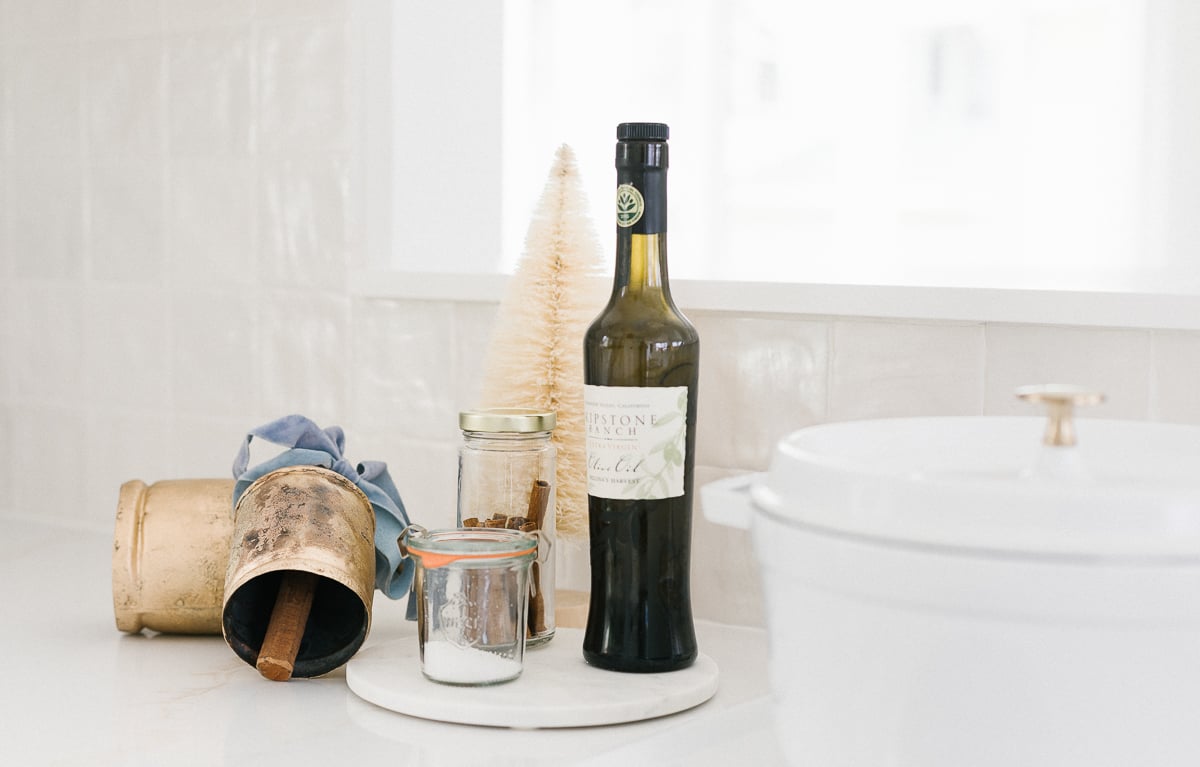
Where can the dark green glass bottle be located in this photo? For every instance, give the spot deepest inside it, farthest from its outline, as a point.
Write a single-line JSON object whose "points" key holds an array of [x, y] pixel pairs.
{"points": [[641, 363]]}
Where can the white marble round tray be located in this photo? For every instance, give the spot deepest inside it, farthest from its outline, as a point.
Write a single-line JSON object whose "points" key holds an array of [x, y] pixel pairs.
{"points": [[556, 689]]}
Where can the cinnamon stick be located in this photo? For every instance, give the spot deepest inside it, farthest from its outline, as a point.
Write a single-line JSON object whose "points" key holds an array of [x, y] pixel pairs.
{"points": [[277, 657], [539, 498], [499, 624]]}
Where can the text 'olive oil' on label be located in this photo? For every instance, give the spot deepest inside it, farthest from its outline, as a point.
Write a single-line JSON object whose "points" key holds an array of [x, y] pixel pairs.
{"points": [[636, 438]]}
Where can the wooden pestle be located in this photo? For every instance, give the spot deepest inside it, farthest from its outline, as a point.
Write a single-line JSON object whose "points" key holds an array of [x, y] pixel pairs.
{"points": [[277, 657], [538, 500]]}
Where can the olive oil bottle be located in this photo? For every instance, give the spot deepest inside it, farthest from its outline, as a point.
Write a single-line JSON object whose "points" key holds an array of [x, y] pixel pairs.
{"points": [[641, 363]]}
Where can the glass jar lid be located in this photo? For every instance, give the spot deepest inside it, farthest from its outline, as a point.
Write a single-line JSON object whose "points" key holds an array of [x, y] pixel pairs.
{"points": [[438, 548], [517, 420]]}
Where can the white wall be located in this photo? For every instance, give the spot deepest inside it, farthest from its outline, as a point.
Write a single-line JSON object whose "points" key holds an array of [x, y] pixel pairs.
{"points": [[181, 207]]}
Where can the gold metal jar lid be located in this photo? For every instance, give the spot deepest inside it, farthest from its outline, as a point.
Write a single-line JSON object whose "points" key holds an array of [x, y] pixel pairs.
{"points": [[516, 420]]}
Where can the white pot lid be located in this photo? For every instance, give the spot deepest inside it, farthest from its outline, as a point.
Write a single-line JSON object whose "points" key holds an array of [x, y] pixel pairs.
{"points": [[1128, 489]]}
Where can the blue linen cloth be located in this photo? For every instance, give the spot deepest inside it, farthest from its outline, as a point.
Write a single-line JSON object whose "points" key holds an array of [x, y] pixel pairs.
{"points": [[310, 445]]}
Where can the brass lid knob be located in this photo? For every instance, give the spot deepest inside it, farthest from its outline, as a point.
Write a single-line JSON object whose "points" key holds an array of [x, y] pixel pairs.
{"points": [[1060, 401]]}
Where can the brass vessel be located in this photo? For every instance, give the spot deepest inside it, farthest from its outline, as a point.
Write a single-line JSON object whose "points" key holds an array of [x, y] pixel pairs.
{"points": [[170, 551], [306, 519]]}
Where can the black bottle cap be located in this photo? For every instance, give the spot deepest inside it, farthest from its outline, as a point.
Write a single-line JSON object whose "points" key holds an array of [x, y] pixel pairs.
{"points": [[643, 132]]}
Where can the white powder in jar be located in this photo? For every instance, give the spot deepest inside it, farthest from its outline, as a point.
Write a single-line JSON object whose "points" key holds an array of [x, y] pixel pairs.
{"points": [[447, 662]]}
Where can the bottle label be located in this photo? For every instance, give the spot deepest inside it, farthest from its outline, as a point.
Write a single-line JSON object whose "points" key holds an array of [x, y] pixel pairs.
{"points": [[636, 439], [630, 205]]}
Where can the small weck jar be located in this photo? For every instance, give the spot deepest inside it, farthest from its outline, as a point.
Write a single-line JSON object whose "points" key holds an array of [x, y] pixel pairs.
{"points": [[506, 479], [472, 591]]}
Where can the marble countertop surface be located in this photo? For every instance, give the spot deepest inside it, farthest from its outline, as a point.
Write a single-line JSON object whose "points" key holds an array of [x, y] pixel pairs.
{"points": [[78, 691]]}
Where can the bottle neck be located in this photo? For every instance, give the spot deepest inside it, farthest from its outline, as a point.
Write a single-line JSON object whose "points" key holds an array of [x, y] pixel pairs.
{"points": [[642, 243], [641, 263]]}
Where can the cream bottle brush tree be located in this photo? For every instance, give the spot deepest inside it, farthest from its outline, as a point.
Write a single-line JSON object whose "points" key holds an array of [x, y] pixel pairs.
{"points": [[535, 356]]}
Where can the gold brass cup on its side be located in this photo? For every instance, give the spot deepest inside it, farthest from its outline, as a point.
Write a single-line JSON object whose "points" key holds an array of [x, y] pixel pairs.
{"points": [[170, 551], [307, 519]]}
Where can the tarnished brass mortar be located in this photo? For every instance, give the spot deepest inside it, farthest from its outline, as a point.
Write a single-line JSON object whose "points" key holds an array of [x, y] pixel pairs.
{"points": [[306, 519]]}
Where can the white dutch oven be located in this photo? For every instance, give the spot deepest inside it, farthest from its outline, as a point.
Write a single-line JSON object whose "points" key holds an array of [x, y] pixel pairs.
{"points": [[948, 591]]}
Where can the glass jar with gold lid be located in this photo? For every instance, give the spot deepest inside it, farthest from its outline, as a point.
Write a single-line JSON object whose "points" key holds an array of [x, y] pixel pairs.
{"points": [[506, 479]]}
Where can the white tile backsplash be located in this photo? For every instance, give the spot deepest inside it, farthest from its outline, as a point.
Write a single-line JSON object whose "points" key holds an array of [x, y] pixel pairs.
{"points": [[34, 20], [43, 84], [47, 451], [181, 208], [6, 204], [214, 365], [211, 222], [302, 224], [101, 19], [46, 225], [204, 446], [426, 474], [121, 443], [473, 325], [11, 324], [314, 117], [126, 347], [209, 93], [760, 379], [402, 381], [46, 343], [123, 83], [125, 227], [305, 362], [294, 9], [884, 369], [189, 15], [8, 448], [1175, 377]]}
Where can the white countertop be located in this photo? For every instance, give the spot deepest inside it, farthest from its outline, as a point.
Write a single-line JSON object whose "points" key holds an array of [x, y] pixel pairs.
{"points": [[77, 691]]}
